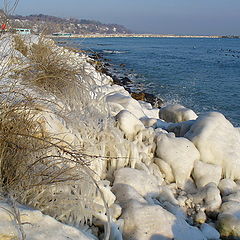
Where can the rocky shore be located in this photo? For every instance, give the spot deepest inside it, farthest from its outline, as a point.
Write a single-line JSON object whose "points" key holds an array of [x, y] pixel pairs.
{"points": [[161, 173]]}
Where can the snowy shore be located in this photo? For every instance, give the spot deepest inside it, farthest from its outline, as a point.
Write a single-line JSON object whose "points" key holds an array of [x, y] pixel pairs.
{"points": [[162, 173]]}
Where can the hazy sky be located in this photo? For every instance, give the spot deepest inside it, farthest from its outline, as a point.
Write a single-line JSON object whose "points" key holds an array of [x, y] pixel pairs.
{"points": [[147, 16]]}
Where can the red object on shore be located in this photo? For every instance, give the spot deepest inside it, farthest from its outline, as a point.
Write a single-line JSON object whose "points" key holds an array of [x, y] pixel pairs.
{"points": [[3, 27]]}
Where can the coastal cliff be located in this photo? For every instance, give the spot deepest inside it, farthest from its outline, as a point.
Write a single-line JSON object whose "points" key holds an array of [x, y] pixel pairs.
{"points": [[80, 149]]}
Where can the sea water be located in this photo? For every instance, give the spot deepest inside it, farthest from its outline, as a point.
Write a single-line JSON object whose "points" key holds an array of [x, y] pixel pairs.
{"points": [[200, 73]]}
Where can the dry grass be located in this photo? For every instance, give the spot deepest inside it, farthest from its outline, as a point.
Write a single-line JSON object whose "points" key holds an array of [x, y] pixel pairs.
{"points": [[52, 72], [20, 45], [38, 171]]}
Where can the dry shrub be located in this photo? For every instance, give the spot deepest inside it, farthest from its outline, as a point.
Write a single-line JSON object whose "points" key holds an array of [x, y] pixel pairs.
{"points": [[20, 45], [38, 171], [50, 71]]}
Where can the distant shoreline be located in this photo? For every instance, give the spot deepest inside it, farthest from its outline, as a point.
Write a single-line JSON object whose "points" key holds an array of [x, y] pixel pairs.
{"points": [[137, 36]]}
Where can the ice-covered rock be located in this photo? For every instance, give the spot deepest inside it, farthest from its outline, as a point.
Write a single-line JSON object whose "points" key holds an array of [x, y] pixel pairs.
{"points": [[149, 110], [125, 193], [145, 184], [228, 222], [154, 122], [148, 222], [130, 104], [176, 113], [227, 186], [129, 124], [200, 217], [107, 89], [148, 122], [165, 169], [190, 186], [218, 142], [179, 153], [232, 197], [204, 173], [209, 196], [36, 226], [166, 195], [180, 128]]}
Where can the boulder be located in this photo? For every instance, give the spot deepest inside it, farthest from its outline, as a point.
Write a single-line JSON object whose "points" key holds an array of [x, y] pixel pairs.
{"points": [[228, 222], [166, 169], [227, 186], [148, 222], [129, 124], [130, 104], [36, 226], [218, 142], [144, 183], [125, 193], [181, 128], [179, 153], [204, 173], [209, 196], [176, 113], [235, 197]]}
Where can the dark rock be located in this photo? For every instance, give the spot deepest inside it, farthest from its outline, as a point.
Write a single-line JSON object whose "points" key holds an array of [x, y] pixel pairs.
{"points": [[125, 80], [138, 96], [148, 97], [116, 80], [155, 101], [128, 89]]}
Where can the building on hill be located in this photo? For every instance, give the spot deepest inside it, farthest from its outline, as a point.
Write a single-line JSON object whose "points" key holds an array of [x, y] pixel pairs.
{"points": [[22, 31]]}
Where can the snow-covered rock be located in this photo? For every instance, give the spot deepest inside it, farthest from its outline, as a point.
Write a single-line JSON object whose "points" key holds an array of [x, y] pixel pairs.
{"points": [[204, 173], [125, 193], [235, 197], [176, 113], [227, 186], [130, 104], [218, 142], [209, 196], [200, 217], [180, 128], [179, 153], [36, 226], [145, 184], [166, 169], [129, 124], [229, 220], [148, 222]]}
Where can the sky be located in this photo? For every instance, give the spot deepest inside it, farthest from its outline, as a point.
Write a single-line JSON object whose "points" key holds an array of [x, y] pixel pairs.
{"points": [[206, 17]]}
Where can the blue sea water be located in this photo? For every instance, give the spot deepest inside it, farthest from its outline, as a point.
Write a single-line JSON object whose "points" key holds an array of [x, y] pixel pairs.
{"points": [[201, 74]]}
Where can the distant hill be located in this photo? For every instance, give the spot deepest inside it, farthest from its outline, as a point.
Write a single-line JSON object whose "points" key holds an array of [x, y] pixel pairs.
{"points": [[51, 24]]}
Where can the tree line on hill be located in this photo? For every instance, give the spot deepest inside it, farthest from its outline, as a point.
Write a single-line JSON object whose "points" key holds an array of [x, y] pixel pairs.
{"points": [[51, 24]]}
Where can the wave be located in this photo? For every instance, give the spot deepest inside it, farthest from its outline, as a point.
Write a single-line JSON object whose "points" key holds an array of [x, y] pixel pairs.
{"points": [[114, 51]]}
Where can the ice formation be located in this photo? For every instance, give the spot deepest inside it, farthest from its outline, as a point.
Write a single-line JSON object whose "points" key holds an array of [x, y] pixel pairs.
{"points": [[176, 113], [218, 142], [160, 174]]}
